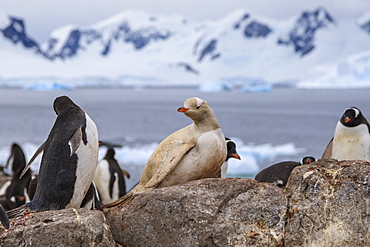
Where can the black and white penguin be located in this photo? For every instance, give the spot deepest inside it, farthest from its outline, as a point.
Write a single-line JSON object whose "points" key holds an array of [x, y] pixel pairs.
{"points": [[109, 178], [3, 217], [90, 201], [70, 157], [15, 161], [351, 139], [231, 153], [15, 194], [279, 173]]}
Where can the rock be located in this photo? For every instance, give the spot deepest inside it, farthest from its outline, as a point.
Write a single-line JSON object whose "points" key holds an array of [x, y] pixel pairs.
{"points": [[207, 212], [67, 227], [326, 203], [329, 204]]}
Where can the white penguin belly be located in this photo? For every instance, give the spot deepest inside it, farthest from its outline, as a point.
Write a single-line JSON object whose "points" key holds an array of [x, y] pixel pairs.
{"points": [[203, 161], [86, 164], [101, 180], [224, 167], [351, 143]]}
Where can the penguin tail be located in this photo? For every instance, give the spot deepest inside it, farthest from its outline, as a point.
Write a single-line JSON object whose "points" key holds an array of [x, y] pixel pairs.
{"points": [[17, 212], [3, 217], [121, 201]]}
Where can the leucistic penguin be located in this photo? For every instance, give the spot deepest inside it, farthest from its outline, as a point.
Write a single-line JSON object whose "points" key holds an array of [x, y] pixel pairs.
{"points": [[194, 152], [351, 139], [279, 173]]}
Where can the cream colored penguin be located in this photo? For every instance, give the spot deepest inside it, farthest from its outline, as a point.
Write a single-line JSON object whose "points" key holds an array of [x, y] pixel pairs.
{"points": [[194, 152]]}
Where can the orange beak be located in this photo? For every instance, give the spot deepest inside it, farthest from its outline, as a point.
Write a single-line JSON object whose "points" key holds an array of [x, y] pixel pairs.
{"points": [[236, 156], [347, 120], [182, 109]]}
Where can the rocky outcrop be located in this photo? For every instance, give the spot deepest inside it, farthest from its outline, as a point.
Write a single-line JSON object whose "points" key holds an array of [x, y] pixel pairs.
{"points": [[67, 227], [326, 203], [208, 212], [329, 204]]}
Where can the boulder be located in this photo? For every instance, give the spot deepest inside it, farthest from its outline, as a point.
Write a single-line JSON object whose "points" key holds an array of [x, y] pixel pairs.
{"points": [[67, 227], [207, 212], [326, 203], [329, 204]]}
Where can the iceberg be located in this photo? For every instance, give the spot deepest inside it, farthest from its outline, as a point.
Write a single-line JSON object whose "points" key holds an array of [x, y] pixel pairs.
{"points": [[47, 86]]}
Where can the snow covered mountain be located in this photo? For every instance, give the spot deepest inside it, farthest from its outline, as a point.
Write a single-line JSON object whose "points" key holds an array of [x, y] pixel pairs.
{"points": [[136, 47]]}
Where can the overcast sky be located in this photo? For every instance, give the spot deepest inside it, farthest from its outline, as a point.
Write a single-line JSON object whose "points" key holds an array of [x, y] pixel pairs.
{"points": [[42, 16]]}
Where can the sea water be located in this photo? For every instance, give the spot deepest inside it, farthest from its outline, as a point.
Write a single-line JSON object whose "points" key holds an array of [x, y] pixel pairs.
{"points": [[282, 124]]}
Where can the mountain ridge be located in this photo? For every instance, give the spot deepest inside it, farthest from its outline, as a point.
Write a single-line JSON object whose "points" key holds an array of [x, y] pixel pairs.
{"points": [[175, 49]]}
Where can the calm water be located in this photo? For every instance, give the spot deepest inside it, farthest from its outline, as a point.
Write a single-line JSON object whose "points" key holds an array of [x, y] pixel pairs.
{"points": [[126, 116]]}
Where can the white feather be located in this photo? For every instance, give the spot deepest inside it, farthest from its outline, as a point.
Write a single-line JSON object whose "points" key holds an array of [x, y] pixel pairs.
{"points": [[351, 143], [87, 162]]}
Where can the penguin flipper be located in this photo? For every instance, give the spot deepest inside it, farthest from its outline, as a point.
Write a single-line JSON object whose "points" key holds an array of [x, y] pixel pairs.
{"points": [[37, 153], [3, 217], [328, 150], [74, 142], [169, 163], [125, 173]]}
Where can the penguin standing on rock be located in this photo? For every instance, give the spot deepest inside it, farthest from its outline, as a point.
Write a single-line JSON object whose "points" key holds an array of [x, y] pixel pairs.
{"points": [[194, 152], [70, 156], [231, 153], [109, 178], [279, 173], [351, 139]]}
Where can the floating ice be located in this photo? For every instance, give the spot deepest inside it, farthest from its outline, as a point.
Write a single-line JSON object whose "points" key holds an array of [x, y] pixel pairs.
{"points": [[256, 87], [47, 86], [212, 86]]}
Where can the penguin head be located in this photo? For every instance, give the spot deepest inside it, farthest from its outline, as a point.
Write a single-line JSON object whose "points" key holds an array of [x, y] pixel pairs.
{"points": [[196, 109], [231, 149], [110, 153], [352, 117], [62, 104], [307, 160]]}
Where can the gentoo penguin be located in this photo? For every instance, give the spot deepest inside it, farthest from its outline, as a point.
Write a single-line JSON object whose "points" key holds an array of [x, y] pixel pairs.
{"points": [[70, 156], [90, 201], [280, 172], [3, 217], [231, 153], [109, 178], [15, 162], [194, 152], [351, 139], [15, 194]]}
